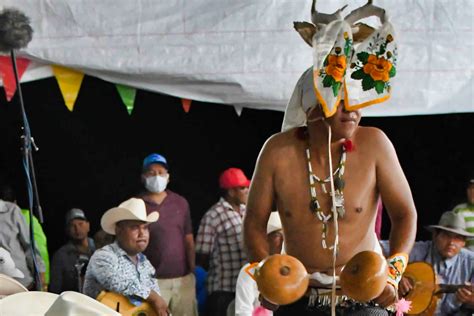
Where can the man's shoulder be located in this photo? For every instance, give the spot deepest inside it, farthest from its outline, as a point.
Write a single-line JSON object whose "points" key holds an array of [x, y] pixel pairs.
{"points": [[467, 255], [64, 249], [463, 207], [9, 207], [176, 197]]}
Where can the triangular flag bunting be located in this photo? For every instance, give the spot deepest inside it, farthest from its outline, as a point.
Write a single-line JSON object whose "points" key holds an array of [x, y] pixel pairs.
{"points": [[186, 103], [238, 109], [128, 96], [8, 77], [69, 83]]}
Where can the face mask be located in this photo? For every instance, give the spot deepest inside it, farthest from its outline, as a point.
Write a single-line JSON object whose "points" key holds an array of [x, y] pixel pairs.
{"points": [[156, 184]]}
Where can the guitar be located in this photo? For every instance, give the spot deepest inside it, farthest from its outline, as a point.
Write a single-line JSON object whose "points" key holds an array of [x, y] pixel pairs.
{"points": [[425, 293], [123, 305]]}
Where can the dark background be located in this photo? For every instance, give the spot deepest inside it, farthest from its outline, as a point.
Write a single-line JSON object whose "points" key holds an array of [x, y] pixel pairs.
{"points": [[91, 158]]}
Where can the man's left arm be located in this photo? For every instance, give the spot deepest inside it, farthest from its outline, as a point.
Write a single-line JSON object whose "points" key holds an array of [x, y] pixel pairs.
{"points": [[190, 253], [189, 242], [397, 198]]}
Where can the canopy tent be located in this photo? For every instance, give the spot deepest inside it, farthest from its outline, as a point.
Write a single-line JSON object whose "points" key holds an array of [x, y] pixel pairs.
{"points": [[245, 53]]}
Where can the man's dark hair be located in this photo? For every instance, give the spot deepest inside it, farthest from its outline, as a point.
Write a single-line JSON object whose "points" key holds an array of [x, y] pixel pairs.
{"points": [[7, 193]]}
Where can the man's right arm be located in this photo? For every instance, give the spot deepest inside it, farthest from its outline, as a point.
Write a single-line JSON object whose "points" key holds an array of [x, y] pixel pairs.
{"points": [[259, 205]]}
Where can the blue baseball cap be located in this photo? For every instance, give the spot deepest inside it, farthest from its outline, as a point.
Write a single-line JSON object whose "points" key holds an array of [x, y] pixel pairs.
{"points": [[154, 158]]}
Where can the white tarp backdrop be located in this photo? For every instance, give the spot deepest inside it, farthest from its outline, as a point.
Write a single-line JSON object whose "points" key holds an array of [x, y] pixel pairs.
{"points": [[246, 52]]}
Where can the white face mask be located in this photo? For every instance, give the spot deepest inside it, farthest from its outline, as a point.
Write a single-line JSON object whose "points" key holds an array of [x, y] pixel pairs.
{"points": [[156, 184]]}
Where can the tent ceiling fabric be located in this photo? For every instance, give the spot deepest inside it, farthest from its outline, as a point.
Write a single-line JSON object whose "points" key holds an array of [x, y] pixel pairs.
{"points": [[246, 52]]}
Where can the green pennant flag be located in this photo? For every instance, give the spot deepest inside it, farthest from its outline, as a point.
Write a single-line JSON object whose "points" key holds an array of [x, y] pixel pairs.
{"points": [[128, 96]]}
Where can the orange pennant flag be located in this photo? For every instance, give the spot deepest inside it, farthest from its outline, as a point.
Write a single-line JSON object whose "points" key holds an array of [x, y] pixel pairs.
{"points": [[8, 77], [186, 103], [69, 82]]}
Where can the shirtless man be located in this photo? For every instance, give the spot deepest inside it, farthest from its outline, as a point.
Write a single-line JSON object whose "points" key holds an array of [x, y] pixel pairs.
{"points": [[281, 181]]}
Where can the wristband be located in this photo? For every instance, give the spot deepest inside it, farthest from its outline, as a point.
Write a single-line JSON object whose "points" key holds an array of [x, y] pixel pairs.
{"points": [[397, 264]]}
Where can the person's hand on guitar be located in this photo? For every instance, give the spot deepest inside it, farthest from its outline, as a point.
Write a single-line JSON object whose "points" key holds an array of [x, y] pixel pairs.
{"points": [[388, 297], [158, 303], [404, 287], [465, 295]]}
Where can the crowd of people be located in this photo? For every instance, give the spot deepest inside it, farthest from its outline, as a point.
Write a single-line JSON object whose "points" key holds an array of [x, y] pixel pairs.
{"points": [[316, 194], [148, 252]]}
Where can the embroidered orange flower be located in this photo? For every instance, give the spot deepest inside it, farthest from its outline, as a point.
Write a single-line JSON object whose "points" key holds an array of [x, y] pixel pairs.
{"points": [[378, 68], [392, 272], [398, 265], [336, 67]]}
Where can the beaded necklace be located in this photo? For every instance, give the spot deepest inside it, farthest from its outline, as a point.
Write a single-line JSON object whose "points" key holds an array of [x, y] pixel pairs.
{"points": [[339, 193]]}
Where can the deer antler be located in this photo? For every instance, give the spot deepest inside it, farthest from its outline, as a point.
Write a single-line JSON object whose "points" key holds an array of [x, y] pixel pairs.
{"points": [[324, 18], [365, 11]]}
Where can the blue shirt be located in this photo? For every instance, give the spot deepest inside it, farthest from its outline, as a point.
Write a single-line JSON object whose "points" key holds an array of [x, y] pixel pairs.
{"points": [[456, 270], [111, 269]]}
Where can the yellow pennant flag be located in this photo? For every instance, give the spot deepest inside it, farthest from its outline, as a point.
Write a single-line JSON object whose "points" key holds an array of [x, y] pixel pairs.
{"points": [[69, 82]]}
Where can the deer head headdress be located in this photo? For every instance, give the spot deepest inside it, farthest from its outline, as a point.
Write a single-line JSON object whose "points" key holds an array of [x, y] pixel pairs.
{"points": [[349, 58]]}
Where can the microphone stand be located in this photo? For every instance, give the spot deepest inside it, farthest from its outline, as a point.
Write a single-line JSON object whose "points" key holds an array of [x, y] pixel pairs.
{"points": [[33, 196]]}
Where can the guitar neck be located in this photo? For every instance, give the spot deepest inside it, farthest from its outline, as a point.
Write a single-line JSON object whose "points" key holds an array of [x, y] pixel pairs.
{"points": [[448, 288]]}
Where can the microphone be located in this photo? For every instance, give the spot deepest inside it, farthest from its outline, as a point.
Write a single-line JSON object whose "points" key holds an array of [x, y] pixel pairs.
{"points": [[15, 30]]}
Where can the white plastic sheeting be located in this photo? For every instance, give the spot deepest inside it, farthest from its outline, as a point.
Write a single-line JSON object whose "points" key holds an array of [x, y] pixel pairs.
{"points": [[245, 52]]}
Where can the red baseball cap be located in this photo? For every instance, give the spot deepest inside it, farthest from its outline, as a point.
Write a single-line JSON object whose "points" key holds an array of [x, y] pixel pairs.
{"points": [[233, 177]]}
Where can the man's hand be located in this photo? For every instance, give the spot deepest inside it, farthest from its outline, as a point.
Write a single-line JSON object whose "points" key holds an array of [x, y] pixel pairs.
{"points": [[405, 286], [388, 296], [465, 295], [158, 304]]}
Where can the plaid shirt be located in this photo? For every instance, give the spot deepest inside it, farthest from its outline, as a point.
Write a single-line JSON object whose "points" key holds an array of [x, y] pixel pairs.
{"points": [[220, 236]]}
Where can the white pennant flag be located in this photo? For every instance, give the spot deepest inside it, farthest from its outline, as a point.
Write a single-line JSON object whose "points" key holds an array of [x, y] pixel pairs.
{"points": [[238, 109]]}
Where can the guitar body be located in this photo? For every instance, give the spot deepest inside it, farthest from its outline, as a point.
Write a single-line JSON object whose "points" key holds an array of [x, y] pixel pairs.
{"points": [[423, 278], [426, 291], [123, 305]]}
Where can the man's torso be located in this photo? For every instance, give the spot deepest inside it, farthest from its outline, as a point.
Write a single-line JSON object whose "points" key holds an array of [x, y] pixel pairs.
{"points": [[303, 230], [166, 249]]}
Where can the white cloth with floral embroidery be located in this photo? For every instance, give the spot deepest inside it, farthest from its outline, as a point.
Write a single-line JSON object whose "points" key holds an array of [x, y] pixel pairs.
{"points": [[360, 71]]}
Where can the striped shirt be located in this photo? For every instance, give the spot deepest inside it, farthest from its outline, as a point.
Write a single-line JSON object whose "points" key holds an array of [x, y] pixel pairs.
{"points": [[467, 211], [220, 236]]}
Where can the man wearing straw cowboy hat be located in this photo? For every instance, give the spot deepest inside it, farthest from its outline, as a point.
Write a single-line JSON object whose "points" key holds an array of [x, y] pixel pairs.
{"points": [[121, 267], [452, 263]]}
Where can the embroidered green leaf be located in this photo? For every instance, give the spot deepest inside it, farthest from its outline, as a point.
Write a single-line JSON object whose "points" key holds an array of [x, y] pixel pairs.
{"points": [[347, 47], [328, 81], [392, 72], [382, 50], [379, 86], [367, 83], [358, 74], [363, 57], [335, 88]]}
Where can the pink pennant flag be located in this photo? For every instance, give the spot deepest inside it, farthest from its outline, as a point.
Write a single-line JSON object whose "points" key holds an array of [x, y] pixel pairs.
{"points": [[186, 103], [8, 77]]}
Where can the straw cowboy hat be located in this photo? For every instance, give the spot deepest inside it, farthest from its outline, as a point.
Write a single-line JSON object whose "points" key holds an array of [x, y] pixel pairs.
{"points": [[74, 303], [132, 209], [7, 266], [31, 303], [452, 222], [9, 286], [49, 304]]}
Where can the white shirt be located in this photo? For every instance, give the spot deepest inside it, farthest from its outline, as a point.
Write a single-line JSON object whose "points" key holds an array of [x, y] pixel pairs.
{"points": [[246, 294]]}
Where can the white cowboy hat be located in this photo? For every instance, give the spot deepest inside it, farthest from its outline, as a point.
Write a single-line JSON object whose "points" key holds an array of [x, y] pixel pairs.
{"points": [[9, 286], [274, 223], [132, 209], [74, 303], [27, 304], [452, 222], [7, 266]]}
